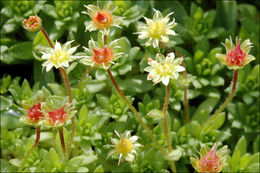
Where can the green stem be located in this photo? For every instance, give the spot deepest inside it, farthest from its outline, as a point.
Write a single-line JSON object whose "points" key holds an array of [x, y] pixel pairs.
{"points": [[222, 107], [38, 133], [65, 77], [62, 143], [139, 118]]}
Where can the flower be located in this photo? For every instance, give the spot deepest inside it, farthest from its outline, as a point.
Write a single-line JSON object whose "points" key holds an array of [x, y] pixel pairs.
{"points": [[59, 56], [163, 69], [125, 146], [157, 30], [57, 111], [210, 159], [34, 23], [33, 109], [236, 56], [102, 56], [102, 19]]}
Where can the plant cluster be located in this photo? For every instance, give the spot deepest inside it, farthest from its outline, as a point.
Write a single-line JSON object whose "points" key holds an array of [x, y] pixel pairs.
{"points": [[136, 86]]}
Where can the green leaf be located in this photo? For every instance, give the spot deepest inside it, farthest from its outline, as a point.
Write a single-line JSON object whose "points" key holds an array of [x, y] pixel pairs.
{"points": [[215, 123], [10, 26], [5, 103], [79, 161], [226, 14], [244, 161], [217, 81], [194, 129], [254, 158], [155, 114], [174, 155], [42, 76], [103, 101], [124, 69], [22, 51], [6, 167], [95, 86], [83, 115], [57, 89], [204, 109], [54, 158], [99, 169], [241, 146]]}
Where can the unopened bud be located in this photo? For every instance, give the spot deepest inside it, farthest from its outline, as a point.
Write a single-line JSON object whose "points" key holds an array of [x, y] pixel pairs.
{"points": [[34, 23]]}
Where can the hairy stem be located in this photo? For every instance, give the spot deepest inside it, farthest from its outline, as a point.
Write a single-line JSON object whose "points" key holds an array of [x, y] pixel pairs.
{"points": [[165, 107], [62, 143], [139, 118], [165, 125], [67, 84], [47, 37], [38, 133], [229, 98], [65, 77]]}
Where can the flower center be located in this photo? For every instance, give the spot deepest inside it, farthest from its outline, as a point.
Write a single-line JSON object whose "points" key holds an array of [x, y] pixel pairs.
{"points": [[35, 113], [157, 29], [236, 56], [102, 19], [57, 116], [164, 69], [59, 57], [210, 163], [124, 146], [102, 55]]}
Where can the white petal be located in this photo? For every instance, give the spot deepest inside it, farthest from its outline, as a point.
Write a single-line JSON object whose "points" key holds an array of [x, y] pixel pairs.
{"points": [[155, 43], [72, 50], [180, 68], [133, 139], [170, 32], [49, 66], [165, 80], [57, 46]]}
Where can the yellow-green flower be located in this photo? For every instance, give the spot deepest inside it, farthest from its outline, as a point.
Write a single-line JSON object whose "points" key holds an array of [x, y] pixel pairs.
{"points": [[102, 19], [236, 56], [163, 69], [210, 160], [125, 147], [101, 55], [157, 29], [59, 56]]}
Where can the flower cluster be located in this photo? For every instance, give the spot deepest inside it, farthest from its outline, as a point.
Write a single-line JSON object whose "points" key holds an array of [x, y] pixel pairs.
{"points": [[51, 111], [210, 159], [124, 147], [163, 69], [34, 23], [236, 56]]}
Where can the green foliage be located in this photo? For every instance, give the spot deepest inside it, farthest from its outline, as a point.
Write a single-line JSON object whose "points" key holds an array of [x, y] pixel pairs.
{"points": [[201, 27]]}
